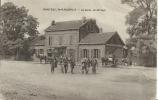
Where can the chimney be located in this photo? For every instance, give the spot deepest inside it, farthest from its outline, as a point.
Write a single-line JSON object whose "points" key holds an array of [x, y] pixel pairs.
{"points": [[83, 19], [93, 20], [53, 22]]}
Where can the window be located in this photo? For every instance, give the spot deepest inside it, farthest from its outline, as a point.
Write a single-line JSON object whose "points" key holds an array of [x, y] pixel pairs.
{"points": [[85, 53], [41, 51], [60, 40], [95, 53], [90, 28], [49, 52], [49, 40]]}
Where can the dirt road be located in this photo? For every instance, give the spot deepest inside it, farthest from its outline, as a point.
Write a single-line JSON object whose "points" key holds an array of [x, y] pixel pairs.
{"points": [[33, 81]]}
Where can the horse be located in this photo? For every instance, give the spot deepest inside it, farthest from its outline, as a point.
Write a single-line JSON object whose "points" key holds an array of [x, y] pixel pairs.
{"points": [[104, 61]]}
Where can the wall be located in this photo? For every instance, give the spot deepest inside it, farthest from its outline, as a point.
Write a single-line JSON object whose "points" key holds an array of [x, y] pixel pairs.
{"points": [[90, 47], [70, 39], [66, 38]]}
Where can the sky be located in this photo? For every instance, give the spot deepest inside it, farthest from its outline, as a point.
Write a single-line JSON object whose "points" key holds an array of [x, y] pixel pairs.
{"points": [[112, 19]]}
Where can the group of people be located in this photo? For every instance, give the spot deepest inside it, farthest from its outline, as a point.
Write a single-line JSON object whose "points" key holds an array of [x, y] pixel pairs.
{"points": [[65, 63], [87, 63]]}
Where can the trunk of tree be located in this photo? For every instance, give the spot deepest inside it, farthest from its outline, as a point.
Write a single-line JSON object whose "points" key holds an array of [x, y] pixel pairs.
{"points": [[17, 54]]}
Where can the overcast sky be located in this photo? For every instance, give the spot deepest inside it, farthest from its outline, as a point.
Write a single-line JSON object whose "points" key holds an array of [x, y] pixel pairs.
{"points": [[113, 19]]}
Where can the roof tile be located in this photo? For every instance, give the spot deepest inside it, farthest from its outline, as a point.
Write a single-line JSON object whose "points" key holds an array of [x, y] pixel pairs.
{"points": [[65, 25], [97, 38]]}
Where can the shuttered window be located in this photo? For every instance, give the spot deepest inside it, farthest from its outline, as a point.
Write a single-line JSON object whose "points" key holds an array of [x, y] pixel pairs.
{"points": [[95, 53], [84, 53]]}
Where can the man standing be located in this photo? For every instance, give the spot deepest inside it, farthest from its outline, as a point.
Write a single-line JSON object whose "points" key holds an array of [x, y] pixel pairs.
{"points": [[65, 61], [61, 64], [84, 66], [94, 65], [55, 62], [72, 64], [88, 65], [52, 63]]}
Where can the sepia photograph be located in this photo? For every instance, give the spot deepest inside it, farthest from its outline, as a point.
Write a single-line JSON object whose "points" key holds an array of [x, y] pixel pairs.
{"points": [[78, 49]]}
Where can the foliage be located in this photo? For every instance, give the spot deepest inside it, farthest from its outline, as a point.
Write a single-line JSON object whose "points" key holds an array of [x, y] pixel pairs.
{"points": [[17, 27], [142, 21]]}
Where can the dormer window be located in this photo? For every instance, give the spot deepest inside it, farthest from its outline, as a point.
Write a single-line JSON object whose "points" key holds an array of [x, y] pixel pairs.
{"points": [[90, 28]]}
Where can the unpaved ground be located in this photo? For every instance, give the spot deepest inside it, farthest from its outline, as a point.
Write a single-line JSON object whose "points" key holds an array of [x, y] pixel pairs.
{"points": [[33, 81]]}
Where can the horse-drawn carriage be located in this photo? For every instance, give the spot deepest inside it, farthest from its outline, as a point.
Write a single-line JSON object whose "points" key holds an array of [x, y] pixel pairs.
{"points": [[109, 61]]}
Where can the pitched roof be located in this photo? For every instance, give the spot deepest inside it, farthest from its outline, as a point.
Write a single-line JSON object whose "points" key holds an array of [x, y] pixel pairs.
{"points": [[39, 41], [97, 38], [65, 25]]}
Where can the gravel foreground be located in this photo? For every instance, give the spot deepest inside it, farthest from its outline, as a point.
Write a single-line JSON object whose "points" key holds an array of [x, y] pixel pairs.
{"points": [[33, 81]]}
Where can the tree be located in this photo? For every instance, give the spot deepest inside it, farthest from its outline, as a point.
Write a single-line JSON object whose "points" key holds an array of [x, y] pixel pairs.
{"points": [[144, 15], [142, 22], [17, 27]]}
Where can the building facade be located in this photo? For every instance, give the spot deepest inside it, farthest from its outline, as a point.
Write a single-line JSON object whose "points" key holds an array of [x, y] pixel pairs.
{"points": [[64, 37], [80, 39], [38, 46], [99, 45]]}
